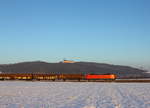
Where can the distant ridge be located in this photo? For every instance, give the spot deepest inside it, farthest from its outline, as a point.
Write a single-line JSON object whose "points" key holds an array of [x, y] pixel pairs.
{"points": [[73, 68]]}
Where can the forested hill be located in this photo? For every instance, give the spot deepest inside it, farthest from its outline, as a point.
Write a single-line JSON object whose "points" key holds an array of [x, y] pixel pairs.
{"points": [[73, 68]]}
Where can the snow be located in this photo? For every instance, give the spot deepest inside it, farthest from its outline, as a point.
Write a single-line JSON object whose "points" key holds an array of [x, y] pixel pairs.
{"points": [[21, 94]]}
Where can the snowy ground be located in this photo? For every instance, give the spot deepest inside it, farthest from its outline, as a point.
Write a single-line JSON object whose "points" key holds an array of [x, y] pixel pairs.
{"points": [[21, 94]]}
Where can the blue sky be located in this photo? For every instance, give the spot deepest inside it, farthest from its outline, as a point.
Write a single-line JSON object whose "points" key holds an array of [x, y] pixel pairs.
{"points": [[108, 31]]}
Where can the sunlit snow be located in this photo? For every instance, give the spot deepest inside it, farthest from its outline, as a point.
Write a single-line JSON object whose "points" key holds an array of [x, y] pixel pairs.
{"points": [[21, 94]]}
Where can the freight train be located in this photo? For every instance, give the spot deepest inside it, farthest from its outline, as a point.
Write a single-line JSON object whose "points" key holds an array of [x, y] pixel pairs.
{"points": [[59, 77]]}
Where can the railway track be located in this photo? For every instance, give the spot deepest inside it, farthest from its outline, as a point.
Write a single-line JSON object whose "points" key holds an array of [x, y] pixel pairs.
{"points": [[132, 80], [107, 81]]}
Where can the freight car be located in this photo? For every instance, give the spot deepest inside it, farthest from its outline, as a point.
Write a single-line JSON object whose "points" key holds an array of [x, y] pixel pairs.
{"points": [[62, 77], [52, 77], [16, 76], [65, 77]]}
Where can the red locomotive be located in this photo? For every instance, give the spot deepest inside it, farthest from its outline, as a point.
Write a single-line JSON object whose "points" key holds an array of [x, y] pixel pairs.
{"points": [[101, 77]]}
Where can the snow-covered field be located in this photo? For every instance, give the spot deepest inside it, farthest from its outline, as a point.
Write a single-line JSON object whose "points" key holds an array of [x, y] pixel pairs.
{"points": [[19, 94]]}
